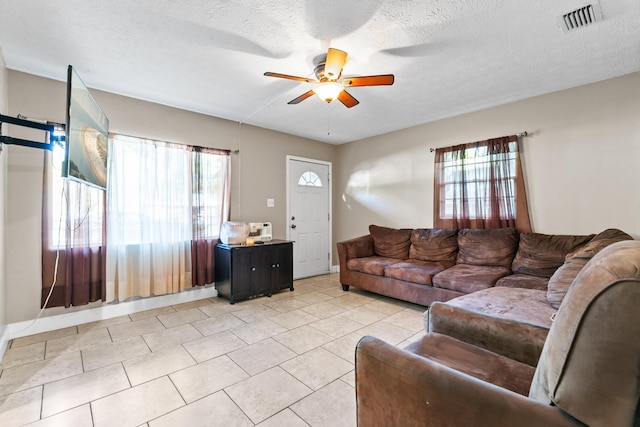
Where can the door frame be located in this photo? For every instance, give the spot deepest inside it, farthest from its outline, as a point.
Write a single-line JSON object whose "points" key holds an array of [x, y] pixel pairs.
{"points": [[330, 206]]}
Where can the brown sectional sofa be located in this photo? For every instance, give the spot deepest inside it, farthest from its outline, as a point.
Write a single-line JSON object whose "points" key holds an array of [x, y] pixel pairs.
{"points": [[588, 373], [496, 289]]}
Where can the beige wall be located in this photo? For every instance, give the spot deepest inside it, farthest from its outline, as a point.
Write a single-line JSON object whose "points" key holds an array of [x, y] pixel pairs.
{"points": [[264, 173], [575, 183], [258, 171], [581, 163], [3, 201]]}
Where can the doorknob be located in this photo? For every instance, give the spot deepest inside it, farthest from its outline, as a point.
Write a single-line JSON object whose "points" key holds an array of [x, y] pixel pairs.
{"points": [[293, 226], [292, 218]]}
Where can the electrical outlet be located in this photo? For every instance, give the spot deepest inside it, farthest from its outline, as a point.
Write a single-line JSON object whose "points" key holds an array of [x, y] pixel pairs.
{"points": [[270, 203]]}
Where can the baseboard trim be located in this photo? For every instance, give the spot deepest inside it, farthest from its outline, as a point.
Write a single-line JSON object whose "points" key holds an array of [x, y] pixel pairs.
{"points": [[106, 311], [335, 268]]}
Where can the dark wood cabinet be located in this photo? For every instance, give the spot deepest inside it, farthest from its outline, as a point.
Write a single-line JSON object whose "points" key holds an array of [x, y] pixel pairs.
{"points": [[246, 271]]}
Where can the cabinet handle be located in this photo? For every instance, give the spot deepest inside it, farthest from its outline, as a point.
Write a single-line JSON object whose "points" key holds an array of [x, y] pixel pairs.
{"points": [[273, 266], [253, 269], [278, 265]]}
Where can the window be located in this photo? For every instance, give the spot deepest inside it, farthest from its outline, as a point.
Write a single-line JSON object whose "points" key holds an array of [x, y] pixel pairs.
{"points": [[166, 203], [163, 192], [467, 172], [480, 185], [310, 179], [149, 192], [160, 215], [210, 178], [77, 209]]}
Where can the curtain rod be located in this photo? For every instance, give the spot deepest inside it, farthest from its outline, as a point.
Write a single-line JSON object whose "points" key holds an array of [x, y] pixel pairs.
{"points": [[519, 135]]}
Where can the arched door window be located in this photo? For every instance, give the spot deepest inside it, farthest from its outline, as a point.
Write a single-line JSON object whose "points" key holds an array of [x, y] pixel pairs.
{"points": [[310, 179]]}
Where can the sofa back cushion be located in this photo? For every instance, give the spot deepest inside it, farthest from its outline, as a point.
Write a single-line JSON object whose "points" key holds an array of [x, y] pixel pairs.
{"points": [[495, 247], [599, 242], [542, 254], [564, 276], [391, 242], [436, 245]]}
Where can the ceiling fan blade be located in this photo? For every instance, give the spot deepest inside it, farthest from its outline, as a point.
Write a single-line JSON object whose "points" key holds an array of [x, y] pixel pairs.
{"points": [[348, 100], [334, 63], [381, 80], [286, 76], [301, 97]]}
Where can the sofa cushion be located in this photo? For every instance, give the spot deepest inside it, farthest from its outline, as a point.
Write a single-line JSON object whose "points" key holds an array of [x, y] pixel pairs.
{"points": [[562, 279], [415, 271], [542, 254], [475, 361], [391, 242], [495, 247], [523, 281], [469, 278], [434, 244], [513, 322], [599, 242], [370, 265]]}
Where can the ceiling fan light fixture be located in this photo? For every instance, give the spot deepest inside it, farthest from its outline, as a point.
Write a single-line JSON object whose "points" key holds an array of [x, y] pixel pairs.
{"points": [[328, 91]]}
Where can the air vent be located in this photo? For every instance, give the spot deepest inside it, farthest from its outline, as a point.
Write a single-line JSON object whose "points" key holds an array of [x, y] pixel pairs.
{"points": [[581, 17]]}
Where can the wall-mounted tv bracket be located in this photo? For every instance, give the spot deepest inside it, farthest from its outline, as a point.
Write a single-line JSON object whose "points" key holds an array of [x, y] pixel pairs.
{"points": [[29, 124]]}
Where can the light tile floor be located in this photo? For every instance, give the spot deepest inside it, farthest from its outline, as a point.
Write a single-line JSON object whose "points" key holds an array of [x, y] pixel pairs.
{"points": [[287, 360]]}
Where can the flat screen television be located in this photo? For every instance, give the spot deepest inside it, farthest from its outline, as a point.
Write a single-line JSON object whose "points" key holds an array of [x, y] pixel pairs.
{"points": [[87, 132]]}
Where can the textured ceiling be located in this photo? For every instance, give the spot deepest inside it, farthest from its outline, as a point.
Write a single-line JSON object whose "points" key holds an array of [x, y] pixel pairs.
{"points": [[448, 56]]}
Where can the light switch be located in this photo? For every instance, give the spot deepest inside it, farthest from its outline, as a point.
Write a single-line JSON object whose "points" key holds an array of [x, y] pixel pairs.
{"points": [[270, 203]]}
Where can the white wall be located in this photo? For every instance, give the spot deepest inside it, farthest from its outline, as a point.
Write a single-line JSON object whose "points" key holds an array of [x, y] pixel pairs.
{"points": [[3, 202], [258, 171], [581, 163]]}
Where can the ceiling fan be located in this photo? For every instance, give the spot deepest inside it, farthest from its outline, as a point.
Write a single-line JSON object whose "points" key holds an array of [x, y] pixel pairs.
{"points": [[328, 83]]}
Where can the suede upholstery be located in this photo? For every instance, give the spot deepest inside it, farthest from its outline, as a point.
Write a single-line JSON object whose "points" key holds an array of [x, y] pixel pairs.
{"points": [[475, 361], [415, 271], [541, 254], [437, 245], [391, 242], [588, 374], [361, 247], [399, 388], [562, 279], [594, 342], [351, 250], [470, 278], [524, 281], [427, 265], [371, 265], [513, 322], [494, 248]]}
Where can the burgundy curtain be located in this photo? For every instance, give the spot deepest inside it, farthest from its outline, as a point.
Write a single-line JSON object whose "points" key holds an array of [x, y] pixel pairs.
{"points": [[211, 175], [73, 236], [480, 185]]}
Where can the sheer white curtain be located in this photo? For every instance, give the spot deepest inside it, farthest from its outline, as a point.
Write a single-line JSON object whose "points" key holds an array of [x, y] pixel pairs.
{"points": [[148, 218]]}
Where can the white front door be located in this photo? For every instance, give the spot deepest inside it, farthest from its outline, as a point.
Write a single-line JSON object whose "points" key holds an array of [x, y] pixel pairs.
{"points": [[308, 220]]}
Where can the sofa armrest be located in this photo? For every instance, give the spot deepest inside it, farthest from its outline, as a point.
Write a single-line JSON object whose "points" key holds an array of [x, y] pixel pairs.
{"points": [[358, 247], [398, 388]]}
